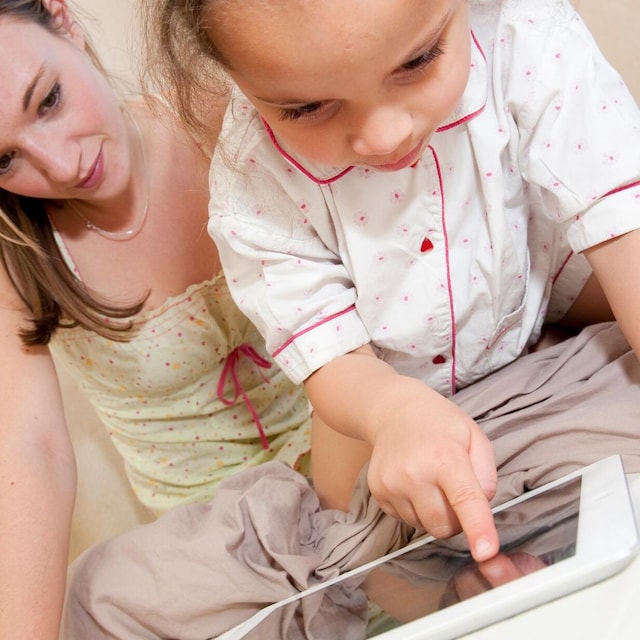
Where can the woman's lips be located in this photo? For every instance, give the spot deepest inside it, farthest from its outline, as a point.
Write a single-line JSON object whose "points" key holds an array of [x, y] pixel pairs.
{"points": [[95, 174]]}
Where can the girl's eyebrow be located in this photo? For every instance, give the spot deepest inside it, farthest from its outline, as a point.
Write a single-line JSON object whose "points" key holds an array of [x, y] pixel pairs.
{"points": [[430, 38], [28, 94]]}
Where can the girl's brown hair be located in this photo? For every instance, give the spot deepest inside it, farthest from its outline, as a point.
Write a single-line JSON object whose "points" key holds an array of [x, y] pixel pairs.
{"points": [[182, 63], [30, 254]]}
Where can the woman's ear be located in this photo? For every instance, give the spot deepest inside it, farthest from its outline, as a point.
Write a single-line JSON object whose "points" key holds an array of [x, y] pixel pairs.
{"points": [[63, 19]]}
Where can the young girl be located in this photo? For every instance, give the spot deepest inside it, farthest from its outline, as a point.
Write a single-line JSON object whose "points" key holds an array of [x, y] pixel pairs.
{"points": [[107, 266], [403, 194]]}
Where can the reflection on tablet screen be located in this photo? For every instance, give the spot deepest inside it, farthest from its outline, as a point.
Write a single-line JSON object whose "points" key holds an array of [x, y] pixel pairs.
{"points": [[533, 534]]}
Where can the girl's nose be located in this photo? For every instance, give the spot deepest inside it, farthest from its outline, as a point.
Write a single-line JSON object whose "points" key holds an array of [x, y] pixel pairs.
{"points": [[381, 130]]}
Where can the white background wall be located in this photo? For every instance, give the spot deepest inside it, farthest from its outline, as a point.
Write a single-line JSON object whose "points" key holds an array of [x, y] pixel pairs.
{"points": [[113, 25], [614, 23]]}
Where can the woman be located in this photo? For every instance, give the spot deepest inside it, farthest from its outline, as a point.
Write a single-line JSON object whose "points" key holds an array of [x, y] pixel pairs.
{"points": [[107, 266], [544, 413]]}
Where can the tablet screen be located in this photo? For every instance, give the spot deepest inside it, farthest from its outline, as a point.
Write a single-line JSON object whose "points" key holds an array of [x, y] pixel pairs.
{"points": [[533, 535], [438, 574]]}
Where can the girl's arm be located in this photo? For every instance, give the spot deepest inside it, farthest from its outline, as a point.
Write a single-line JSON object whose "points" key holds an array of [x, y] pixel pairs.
{"points": [[616, 263], [37, 484], [430, 464]]}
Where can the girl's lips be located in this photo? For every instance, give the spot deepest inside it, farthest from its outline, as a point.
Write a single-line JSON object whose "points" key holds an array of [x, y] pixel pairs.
{"points": [[95, 174], [404, 162]]}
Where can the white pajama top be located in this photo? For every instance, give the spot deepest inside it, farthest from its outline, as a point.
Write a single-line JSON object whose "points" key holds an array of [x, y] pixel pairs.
{"points": [[448, 267]]}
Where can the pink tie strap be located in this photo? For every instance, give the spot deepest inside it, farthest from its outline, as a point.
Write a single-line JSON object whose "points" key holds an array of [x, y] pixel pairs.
{"points": [[230, 370]]}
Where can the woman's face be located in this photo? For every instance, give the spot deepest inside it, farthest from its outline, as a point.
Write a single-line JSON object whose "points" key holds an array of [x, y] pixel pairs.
{"points": [[344, 82], [62, 134]]}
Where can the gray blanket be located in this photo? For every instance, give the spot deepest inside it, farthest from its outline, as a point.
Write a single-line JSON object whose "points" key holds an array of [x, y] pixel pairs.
{"points": [[201, 569]]}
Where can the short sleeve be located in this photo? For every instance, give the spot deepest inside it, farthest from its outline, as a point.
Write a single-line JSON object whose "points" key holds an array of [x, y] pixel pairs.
{"points": [[274, 258], [579, 126]]}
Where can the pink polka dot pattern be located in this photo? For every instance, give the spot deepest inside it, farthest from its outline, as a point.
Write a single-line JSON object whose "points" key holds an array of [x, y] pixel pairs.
{"points": [[157, 396]]}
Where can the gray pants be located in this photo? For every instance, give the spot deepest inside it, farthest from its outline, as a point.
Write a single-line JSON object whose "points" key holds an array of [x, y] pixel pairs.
{"points": [[201, 569]]}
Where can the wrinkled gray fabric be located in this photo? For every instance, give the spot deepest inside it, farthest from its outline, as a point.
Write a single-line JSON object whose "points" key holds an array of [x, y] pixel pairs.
{"points": [[201, 569], [559, 409]]}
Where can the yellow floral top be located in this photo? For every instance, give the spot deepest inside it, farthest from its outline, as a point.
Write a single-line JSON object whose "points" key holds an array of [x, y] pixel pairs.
{"points": [[192, 398]]}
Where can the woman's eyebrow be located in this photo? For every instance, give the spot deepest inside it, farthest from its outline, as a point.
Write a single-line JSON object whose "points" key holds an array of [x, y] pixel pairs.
{"points": [[28, 94]]}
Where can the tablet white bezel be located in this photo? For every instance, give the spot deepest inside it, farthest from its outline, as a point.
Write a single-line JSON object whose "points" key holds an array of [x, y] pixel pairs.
{"points": [[607, 540]]}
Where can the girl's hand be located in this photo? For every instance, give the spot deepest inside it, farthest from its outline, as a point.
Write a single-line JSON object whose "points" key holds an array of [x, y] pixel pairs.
{"points": [[433, 467]]}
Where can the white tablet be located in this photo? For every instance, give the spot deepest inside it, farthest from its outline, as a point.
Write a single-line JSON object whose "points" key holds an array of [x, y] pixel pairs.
{"points": [[556, 539]]}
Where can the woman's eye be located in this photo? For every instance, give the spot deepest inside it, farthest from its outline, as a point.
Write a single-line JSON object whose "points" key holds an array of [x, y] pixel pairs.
{"points": [[5, 163], [300, 112], [52, 100], [423, 60]]}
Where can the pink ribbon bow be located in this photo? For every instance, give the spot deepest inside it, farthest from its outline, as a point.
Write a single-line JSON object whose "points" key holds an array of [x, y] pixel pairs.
{"points": [[230, 371]]}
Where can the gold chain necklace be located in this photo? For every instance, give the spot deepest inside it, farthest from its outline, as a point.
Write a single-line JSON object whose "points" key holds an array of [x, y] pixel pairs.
{"points": [[134, 231]]}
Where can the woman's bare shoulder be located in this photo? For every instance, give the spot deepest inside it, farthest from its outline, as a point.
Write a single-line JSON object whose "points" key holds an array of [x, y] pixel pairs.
{"points": [[167, 119]]}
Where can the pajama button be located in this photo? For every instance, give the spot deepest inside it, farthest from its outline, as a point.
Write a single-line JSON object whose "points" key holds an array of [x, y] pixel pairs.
{"points": [[426, 245], [439, 360]]}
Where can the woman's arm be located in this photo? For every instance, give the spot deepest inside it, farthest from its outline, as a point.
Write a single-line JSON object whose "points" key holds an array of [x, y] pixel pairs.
{"points": [[37, 484], [430, 464]]}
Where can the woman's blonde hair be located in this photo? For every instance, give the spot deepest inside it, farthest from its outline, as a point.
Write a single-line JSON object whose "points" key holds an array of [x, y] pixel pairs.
{"points": [[30, 254]]}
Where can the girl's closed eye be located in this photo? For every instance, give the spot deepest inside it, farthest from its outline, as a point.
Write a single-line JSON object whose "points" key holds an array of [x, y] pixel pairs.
{"points": [[312, 112], [303, 111], [423, 60]]}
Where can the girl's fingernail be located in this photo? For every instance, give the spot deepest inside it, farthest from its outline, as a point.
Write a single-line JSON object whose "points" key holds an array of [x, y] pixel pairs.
{"points": [[484, 549]]}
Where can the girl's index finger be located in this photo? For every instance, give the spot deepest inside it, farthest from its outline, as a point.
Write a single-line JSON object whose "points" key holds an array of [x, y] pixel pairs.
{"points": [[473, 512]]}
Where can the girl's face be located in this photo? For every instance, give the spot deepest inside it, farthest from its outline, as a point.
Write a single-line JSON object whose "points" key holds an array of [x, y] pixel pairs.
{"points": [[62, 133], [344, 82]]}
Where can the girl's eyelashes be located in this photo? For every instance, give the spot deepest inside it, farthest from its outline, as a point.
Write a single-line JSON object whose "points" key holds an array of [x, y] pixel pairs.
{"points": [[312, 109], [423, 59], [51, 101], [299, 112]]}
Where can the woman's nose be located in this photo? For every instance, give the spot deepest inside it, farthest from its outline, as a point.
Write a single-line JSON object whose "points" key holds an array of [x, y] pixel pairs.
{"points": [[57, 158], [380, 130]]}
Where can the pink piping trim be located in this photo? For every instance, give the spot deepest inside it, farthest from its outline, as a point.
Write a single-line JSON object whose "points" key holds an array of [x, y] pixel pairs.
{"points": [[619, 189], [561, 269], [313, 178], [230, 371], [296, 164], [448, 262], [473, 114], [311, 328], [466, 118], [609, 193]]}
